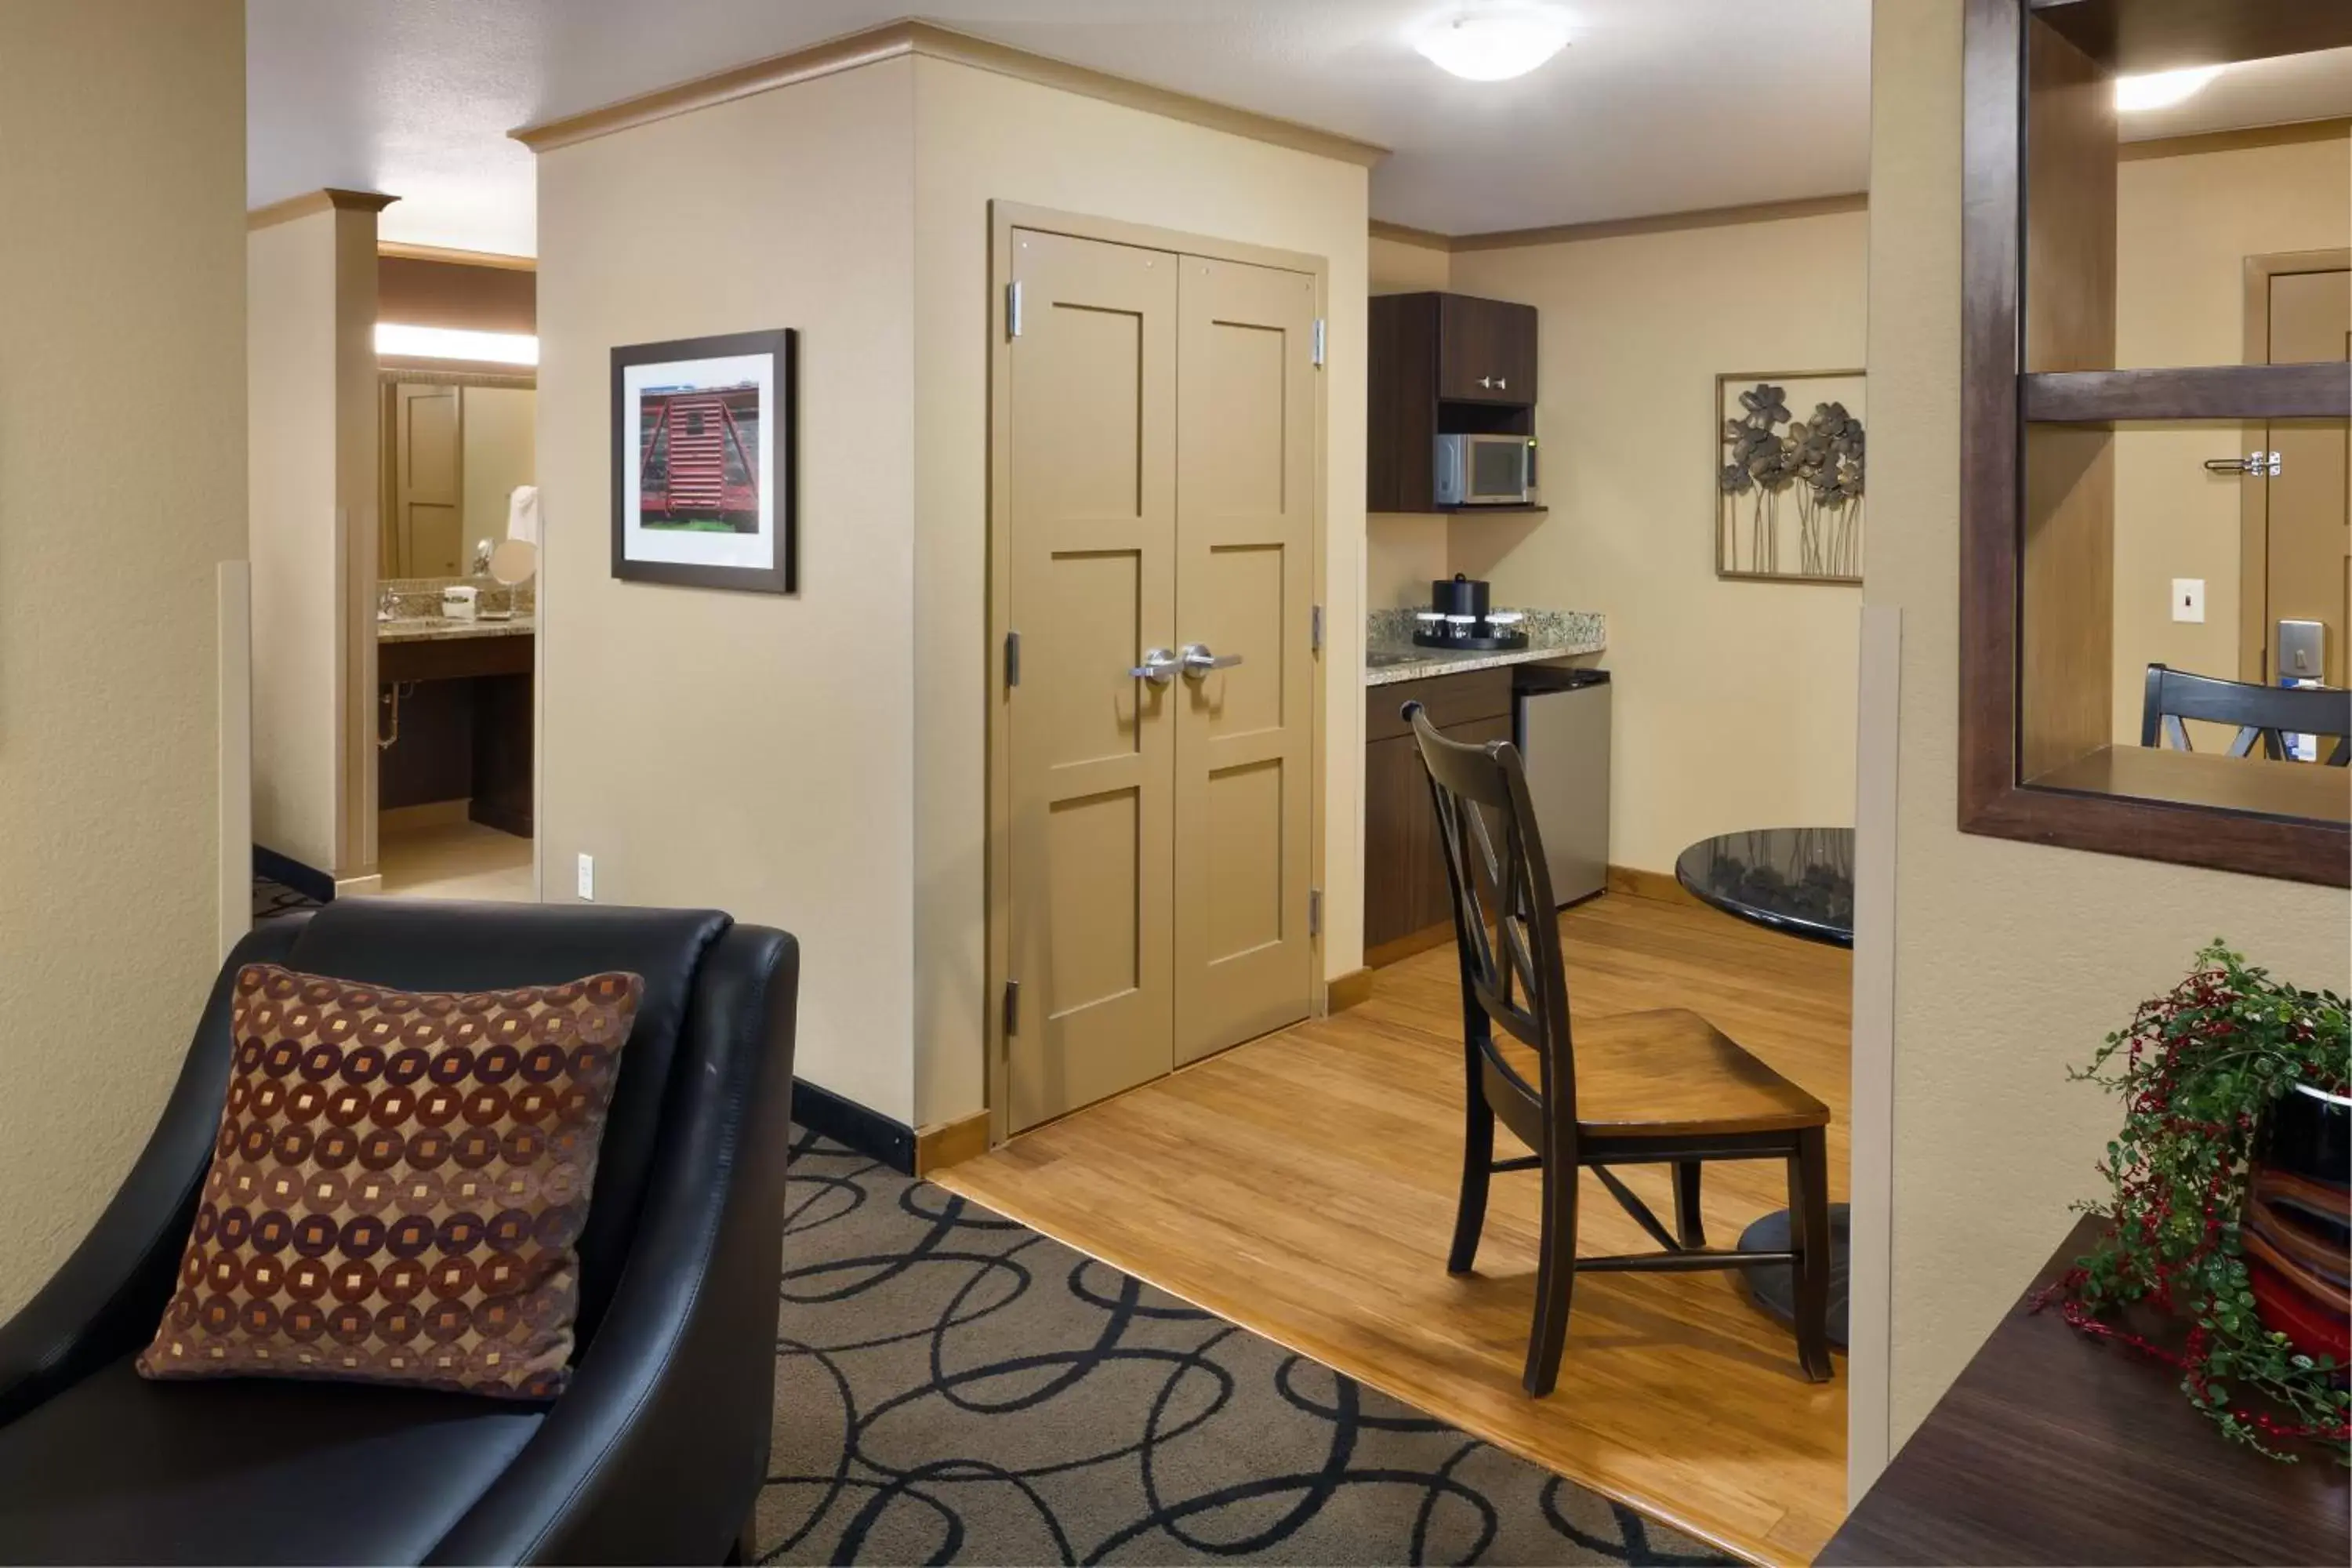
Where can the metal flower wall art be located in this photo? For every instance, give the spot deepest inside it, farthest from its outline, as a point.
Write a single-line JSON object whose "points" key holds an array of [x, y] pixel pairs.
{"points": [[1788, 494]]}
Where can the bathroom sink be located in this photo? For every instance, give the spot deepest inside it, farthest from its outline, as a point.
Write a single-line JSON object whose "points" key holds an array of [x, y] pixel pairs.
{"points": [[406, 626]]}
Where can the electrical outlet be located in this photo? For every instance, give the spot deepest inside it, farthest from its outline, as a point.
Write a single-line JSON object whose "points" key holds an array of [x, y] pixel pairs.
{"points": [[2188, 599], [588, 877]]}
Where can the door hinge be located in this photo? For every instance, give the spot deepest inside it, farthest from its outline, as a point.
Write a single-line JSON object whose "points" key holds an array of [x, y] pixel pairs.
{"points": [[1319, 341], [1013, 1006], [1011, 659], [1314, 912], [1013, 310], [1315, 629]]}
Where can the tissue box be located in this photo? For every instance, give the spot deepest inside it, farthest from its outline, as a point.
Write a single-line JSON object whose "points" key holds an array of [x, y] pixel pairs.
{"points": [[460, 603]]}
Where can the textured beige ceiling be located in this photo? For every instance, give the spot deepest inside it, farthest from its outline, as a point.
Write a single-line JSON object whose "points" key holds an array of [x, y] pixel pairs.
{"points": [[1657, 105]]}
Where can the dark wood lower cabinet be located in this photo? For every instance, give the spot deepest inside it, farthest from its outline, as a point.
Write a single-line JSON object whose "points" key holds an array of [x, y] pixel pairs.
{"points": [[465, 727], [1406, 898]]}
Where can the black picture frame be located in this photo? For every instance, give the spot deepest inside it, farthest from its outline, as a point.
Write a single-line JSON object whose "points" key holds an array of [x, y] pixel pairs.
{"points": [[778, 486]]}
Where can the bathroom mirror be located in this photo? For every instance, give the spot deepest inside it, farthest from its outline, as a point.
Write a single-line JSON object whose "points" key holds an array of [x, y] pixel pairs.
{"points": [[455, 445]]}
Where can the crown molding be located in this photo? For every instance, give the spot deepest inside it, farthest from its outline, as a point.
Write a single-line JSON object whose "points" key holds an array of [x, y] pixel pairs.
{"points": [[2335, 129], [1662, 223], [1427, 239], [456, 258], [895, 39], [309, 202]]}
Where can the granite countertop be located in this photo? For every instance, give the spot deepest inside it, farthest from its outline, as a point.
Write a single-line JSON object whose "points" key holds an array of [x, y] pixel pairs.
{"points": [[434, 628], [1390, 655]]}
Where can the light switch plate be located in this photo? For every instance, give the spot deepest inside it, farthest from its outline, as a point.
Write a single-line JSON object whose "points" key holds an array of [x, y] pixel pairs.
{"points": [[2188, 599], [588, 877]]}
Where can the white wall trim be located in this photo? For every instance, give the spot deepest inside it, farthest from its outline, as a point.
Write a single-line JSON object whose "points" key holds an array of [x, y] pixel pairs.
{"points": [[233, 680], [1870, 1258]]}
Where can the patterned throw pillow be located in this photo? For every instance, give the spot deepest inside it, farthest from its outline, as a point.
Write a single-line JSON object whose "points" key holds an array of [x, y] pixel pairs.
{"points": [[398, 1185]]}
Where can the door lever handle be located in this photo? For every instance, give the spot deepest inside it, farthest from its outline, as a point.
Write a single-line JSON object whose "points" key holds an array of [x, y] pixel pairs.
{"points": [[1159, 667], [1198, 660]]}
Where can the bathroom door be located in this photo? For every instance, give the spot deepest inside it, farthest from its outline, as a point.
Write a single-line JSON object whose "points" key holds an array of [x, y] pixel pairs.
{"points": [[428, 480], [2296, 550]]}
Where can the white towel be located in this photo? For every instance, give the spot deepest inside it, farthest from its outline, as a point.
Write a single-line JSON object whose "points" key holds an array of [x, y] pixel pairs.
{"points": [[522, 513]]}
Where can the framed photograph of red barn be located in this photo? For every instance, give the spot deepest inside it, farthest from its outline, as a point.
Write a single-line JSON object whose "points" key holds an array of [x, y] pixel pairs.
{"points": [[704, 461]]}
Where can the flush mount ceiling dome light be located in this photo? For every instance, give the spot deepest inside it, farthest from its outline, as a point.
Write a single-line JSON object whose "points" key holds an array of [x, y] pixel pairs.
{"points": [[2161, 89], [1492, 44]]}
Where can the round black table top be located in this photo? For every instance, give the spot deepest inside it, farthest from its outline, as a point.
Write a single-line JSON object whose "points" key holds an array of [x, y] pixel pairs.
{"points": [[1795, 879]]}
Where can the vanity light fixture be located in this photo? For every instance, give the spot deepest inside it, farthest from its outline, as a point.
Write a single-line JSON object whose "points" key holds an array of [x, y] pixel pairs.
{"points": [[1491, 43], [448, 343], [2161, 89]]}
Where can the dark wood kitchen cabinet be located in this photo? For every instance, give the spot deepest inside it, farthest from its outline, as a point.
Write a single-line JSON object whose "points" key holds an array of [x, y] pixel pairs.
{"points": [[1486, 351], [1441, 364], [1406, 906]]}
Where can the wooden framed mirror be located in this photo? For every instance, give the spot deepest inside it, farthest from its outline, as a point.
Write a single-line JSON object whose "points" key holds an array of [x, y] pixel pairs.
{"points": [[2094, 420]]}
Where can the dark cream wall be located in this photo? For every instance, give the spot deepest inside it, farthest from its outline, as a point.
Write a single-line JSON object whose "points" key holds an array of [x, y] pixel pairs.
{"points": [[121, 491], [751, 753], [1633, 330]]}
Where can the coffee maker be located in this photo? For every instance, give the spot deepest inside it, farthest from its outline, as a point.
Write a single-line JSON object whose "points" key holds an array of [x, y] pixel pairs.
{"points": [[1459, 617]]}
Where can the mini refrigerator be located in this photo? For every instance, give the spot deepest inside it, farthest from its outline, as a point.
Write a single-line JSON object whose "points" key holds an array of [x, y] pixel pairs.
{"points": [[1559, 716]]}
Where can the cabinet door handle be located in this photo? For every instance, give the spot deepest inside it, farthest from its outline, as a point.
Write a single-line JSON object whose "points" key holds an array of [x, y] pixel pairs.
{"points": [[1501, 384], [1159, 667], [1486, 381]]}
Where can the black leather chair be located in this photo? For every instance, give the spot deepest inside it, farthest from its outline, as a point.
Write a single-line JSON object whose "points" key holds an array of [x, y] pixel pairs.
{"points": [[656, 1453]]}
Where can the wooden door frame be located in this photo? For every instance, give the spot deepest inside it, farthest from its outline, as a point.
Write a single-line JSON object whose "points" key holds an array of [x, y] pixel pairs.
{"points": [[2253, 500], [1003, 217]]}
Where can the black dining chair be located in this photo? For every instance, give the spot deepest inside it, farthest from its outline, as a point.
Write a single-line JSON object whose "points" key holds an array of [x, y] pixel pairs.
{"points": [[1652, 1087], [2264, 715]]}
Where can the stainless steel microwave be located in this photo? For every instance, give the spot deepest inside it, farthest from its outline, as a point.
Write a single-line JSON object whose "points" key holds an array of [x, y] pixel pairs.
{"points": [[1486, 470]]}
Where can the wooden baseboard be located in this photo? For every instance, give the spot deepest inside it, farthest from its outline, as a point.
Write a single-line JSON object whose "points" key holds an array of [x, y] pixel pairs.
{"points": [[1351, 989], [427, 814], [945, 1143], [1404, 947], [1641, 884]]}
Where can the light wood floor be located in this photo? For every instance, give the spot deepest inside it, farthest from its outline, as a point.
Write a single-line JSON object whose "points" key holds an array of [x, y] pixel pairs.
{"points": [[1303, 1185], [453, 860]]}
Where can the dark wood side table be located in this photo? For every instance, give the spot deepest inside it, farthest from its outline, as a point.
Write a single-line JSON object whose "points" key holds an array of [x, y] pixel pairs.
{"points": [[2056, 1447]]}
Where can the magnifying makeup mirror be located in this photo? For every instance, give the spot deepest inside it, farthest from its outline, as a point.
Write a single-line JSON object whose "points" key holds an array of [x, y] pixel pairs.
{"points": [[514, 561]]}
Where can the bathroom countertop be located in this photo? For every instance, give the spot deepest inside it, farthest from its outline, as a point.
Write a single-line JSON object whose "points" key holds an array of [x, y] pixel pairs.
{"points": [[434, 628], [1390, 655]]}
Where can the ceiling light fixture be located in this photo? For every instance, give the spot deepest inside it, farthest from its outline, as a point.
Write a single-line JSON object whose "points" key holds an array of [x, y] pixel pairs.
{"points": [[448, 343], [1493, 42], [2161, 89]]}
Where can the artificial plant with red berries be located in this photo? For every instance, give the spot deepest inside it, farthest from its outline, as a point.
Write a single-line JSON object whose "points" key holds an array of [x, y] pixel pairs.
{"points": [[2197, 1068]]}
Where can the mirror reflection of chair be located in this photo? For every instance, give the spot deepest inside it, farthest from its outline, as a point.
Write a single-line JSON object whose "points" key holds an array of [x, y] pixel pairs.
{"points": [[1652, 1087], [2264, 715]]}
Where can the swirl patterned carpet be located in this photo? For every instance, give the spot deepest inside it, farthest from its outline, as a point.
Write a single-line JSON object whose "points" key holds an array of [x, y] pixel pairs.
{"points": [[954, 1387]]}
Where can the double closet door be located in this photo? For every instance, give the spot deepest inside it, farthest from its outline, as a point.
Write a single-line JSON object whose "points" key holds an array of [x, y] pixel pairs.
{"points": [[1160, 735]]}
